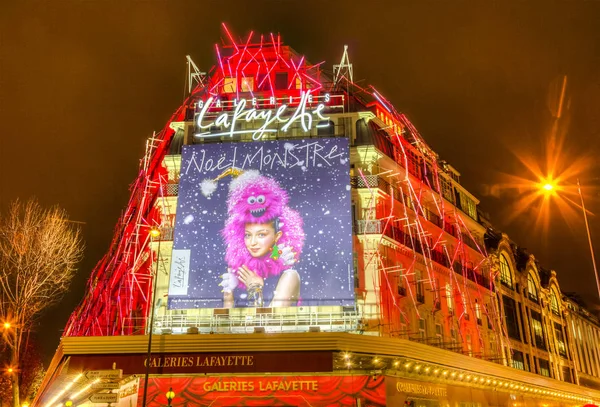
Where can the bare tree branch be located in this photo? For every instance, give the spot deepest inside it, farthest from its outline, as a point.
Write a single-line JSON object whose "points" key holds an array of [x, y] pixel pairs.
{"points": [[39, 252]]}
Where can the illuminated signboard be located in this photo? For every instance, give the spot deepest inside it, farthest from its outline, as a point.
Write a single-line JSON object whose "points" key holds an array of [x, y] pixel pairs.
{"points": [[217, 118], [290, 390], [263, 224]]}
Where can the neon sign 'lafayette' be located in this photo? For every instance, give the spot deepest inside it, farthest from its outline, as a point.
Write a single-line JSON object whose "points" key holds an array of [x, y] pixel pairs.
{"points": [[228, 120]]}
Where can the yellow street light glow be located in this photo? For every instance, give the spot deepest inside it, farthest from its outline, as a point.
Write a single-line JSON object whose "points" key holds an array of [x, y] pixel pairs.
{"points": [[346, 356], [155, 232], [7, 325]]}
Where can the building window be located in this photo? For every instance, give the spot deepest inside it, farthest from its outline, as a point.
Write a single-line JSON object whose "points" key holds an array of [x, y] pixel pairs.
{"points": [[230, 84], [467, 205], [419, 287], [517, 360], [447, 190], [478, 312], [281, 80], [538, 331], [510, 315], [449, 301], [566, 372], [469, 345], [560, 340], [532, 288], [554, 303], [505, 276], [263, 82], [248, 84], [422, 329], [544, 367]]}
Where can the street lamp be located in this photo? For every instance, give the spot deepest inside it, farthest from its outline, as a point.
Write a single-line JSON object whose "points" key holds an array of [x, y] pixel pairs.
{"points": [[154, 233], [170, 396], [589, 236], [550, 187]]}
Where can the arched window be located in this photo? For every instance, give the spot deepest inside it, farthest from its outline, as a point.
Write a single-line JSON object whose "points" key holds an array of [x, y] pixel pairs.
{"points": [[505, 276], [532, 288], [554, 303]]}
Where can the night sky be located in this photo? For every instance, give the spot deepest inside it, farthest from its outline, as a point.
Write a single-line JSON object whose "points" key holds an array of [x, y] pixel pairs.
{"points": [[84, 83]]}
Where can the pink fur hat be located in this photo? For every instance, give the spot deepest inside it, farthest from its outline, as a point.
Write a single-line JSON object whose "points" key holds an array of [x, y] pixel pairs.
{"points": [[255, 198]]}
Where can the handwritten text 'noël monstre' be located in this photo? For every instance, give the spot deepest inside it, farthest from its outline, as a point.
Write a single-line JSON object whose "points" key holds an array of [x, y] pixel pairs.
{"points": [[306, 155]]}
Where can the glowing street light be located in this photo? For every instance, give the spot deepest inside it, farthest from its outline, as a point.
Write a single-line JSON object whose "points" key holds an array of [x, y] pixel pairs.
{"points": [[548, 187], [6, 325], [155, 232], [170, 396]]}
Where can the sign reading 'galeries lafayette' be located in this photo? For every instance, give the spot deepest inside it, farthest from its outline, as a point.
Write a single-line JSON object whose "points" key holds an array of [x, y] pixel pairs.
{"points": [[248, 362]]}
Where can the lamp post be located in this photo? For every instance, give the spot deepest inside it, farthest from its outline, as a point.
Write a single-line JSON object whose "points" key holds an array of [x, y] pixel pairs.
{"points": [[11, 337], [170, 396], [154, 233], [549, 187], [589, 236]]}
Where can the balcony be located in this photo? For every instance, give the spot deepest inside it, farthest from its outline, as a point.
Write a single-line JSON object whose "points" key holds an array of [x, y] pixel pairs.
{"points": [[166, 234], [243, 322], [368, 227], [375, 181]]}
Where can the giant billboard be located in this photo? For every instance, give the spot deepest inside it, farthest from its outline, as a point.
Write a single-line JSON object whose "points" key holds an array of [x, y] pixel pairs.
{"points": [[263, 224]]}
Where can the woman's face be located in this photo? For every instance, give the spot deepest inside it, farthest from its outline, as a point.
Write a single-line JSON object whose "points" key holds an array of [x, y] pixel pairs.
{"points": [[260, 238]]}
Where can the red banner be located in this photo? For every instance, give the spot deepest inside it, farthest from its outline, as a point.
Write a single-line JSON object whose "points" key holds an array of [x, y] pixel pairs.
{"points": [[300, 391]]}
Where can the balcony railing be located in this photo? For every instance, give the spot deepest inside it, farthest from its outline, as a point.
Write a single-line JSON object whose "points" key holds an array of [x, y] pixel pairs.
{"points": [[375, 181], [393, 232], [417, 167], [170, 189], [225, 321]]}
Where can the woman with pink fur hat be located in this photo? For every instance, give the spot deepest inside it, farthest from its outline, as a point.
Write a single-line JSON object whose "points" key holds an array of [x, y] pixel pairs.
{"points": [[263, 239]]}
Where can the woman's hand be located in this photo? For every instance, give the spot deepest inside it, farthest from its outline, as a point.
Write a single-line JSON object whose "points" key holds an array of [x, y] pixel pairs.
{"points": [[250, 278], [230, 281], [287, 256]]}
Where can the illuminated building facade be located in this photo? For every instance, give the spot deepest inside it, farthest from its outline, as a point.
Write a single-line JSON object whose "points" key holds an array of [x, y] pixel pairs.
{"points": [[396, 289]]}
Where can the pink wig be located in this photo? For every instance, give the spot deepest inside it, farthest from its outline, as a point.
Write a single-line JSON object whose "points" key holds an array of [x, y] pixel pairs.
{"points": [[254, 198]]}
